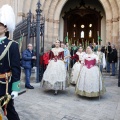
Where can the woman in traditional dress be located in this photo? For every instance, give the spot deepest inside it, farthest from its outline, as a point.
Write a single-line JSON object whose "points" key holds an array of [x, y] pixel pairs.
{"points": [[55, 75], [76, 67], [90, 83]]}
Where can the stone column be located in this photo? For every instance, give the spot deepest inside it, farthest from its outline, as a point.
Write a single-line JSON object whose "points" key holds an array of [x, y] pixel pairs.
{"points": [[56, 30], [115, 31], [47, 41], [108, 30]]}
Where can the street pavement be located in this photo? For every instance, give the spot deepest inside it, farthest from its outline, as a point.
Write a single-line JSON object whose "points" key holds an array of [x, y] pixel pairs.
{"points": [[38, 104]]}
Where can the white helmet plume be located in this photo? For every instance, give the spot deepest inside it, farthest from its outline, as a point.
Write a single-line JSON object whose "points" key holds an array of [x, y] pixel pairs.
{"points": [[7, 17]]}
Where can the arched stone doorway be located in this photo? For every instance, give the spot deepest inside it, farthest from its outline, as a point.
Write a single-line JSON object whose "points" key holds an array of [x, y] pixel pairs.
{"points": [[83, 22], [54, 11]]}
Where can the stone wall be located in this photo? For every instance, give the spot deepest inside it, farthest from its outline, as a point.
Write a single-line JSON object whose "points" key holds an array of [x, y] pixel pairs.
{"points": [[52, 10], [94, 5]]}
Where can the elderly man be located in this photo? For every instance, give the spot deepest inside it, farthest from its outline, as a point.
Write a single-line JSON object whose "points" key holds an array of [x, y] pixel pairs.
{"points": [[27, 63]]}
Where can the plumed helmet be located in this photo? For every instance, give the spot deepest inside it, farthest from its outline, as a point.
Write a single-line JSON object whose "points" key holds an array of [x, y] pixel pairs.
{"points": [[7, 17]]}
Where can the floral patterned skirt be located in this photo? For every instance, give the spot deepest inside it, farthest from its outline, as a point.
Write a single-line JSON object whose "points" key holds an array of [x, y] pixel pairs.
{"points": [[90, 82], [55, 76], [75, 73]]}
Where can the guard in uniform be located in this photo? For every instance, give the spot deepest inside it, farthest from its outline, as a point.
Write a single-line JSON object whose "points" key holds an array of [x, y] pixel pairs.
{"points": [[9, 61]]}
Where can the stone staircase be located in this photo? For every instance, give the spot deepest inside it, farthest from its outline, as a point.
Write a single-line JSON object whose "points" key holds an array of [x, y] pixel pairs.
{"points": [[107, 75], [33, 75]]}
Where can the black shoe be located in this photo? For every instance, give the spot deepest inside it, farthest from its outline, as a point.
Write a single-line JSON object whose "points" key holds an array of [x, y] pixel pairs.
{"points": [[29, 87], [108, 71], [112, 75]]}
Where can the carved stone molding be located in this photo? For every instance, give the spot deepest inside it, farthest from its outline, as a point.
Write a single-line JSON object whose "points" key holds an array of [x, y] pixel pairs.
{"points": [[108, 21], [21, 14], [115, 19], [53, 21], [82, 10], [112, 20]]}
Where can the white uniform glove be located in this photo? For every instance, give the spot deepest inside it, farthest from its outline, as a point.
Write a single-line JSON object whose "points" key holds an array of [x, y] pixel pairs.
{"points": [[14, 94]]}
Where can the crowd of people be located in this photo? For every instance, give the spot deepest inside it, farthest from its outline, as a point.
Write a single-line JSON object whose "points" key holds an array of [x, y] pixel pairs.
{"points": [[107, 54], [86, 66]]}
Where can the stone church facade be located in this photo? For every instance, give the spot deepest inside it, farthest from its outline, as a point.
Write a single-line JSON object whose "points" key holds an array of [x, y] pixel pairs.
{"points": [[103, 15]]}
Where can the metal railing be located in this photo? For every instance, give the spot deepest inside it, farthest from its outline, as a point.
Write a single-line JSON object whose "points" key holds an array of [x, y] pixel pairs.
{"points": [[32, 30]]}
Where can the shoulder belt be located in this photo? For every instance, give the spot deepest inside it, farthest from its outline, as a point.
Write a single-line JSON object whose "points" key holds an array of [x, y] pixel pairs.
{"points": [[6, 50], [14, 41]]}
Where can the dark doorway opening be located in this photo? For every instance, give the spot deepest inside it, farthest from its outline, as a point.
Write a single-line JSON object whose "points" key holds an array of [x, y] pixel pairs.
{"points": [[82, 24]]}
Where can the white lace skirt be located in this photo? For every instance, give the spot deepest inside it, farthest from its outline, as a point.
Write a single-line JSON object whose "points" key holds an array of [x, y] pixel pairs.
{"points": [[55, 76], [89, 82], [75, 73]]}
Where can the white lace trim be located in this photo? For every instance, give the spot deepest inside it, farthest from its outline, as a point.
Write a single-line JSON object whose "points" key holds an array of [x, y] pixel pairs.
{"points": [[80, 55], [56, 51], [90, 56]]}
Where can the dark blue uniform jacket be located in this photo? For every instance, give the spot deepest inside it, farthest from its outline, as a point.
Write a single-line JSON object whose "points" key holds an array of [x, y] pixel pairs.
{"points": [[13, 57]]}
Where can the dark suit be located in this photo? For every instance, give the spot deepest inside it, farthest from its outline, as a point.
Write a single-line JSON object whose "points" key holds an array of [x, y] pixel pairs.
{"points": [[113, 59], [113, 56], [108, 51], [10, 62], [72, 53]]}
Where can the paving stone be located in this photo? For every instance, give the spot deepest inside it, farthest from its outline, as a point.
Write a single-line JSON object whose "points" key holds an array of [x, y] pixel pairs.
{"points": [[38, 104]]}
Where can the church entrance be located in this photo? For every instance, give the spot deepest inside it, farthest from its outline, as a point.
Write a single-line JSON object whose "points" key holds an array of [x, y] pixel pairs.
{"points": [[83, 22], [82, 25]]}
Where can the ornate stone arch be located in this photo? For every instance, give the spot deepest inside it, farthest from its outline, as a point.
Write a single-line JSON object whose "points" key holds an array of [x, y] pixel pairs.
{"points": [[46, 7], [52, 10], [115, 21], [108, 11]]}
